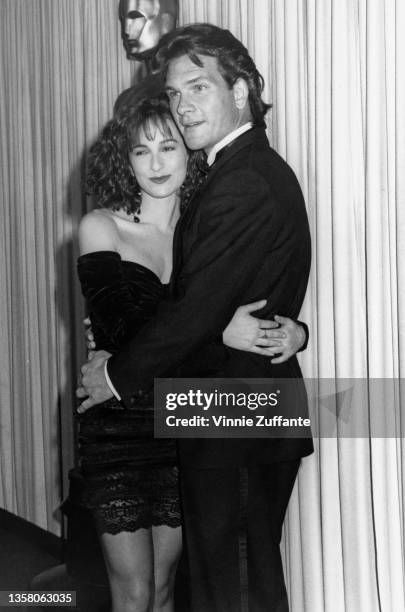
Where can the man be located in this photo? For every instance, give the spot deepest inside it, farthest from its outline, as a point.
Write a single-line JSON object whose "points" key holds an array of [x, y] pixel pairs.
{"points": [[243, 237]]}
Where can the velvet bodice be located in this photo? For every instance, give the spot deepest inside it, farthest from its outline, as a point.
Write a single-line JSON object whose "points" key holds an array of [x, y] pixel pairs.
{"points": [[121, 296]]}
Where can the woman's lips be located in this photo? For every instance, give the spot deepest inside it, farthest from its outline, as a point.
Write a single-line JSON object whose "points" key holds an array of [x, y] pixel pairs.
{"points": [[160, 179]]}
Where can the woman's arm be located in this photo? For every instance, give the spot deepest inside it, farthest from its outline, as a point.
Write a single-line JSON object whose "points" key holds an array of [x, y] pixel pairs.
{"points": [[113, 309], [280, 339]]}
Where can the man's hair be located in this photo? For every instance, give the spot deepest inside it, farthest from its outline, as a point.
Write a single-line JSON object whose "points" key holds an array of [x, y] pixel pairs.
{"points": [[234, 61]]}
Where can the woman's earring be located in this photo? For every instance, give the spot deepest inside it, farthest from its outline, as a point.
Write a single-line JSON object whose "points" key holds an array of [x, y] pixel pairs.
{"points": [[138, 204], [137, 214]]}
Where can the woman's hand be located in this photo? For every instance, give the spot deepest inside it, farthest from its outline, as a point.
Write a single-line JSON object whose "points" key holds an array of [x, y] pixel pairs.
{"points": [[282, 337]]}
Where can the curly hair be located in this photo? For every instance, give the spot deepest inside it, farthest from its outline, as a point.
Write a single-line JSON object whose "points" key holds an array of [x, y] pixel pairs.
{"points": [[233, 58], [109, 173]]}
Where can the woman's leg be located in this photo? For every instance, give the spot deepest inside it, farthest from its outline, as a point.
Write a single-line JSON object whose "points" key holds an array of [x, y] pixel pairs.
{"points": [[167, 551], [129, 561]]}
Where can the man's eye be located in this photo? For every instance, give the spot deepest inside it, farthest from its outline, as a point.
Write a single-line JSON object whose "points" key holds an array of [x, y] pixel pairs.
{"points": [[172, 94], [168, 148], [200, 87]]}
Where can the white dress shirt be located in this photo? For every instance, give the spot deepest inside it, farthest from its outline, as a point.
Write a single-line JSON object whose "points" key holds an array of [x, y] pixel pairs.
{"points": [[227, 140]]}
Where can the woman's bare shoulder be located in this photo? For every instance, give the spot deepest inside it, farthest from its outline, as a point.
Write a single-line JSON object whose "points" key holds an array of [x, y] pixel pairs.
{"points": [[97, 232]]}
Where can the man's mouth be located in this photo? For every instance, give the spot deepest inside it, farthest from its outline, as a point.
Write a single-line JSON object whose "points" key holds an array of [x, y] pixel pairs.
{"points": [[160, 179]]}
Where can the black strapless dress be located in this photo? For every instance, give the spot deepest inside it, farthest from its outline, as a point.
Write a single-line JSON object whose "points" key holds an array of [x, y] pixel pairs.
{"points": [[126, 477]]}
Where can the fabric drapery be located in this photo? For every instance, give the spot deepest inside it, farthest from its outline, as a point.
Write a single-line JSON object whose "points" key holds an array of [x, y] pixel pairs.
{"points": [[61, 68], [335, 74]]}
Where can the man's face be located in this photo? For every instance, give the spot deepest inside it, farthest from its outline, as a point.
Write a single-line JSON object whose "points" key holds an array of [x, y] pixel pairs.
{"points": [[144, 22], [201, 102]]}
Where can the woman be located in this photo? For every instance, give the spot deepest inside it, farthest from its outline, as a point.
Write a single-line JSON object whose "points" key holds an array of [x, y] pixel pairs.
{"points": [[137, 169]]}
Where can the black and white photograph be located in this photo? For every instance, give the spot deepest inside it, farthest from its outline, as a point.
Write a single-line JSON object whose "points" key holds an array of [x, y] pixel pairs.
{"points": [[202, 268]]}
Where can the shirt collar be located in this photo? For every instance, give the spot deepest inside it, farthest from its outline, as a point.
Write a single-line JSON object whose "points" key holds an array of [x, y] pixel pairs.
{"points": [[228, 139]]}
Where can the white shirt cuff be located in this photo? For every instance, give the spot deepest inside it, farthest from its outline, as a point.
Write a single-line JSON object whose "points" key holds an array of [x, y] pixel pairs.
{"points": [[109, 383]]}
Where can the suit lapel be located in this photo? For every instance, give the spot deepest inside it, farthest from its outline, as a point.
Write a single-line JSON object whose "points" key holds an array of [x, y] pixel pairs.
{"points": [[177, 250], [255, 135], [179, 232], [245, 140]]}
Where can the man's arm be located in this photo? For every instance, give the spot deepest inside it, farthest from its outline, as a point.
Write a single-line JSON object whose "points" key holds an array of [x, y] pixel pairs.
{"points": [[240, 225]]}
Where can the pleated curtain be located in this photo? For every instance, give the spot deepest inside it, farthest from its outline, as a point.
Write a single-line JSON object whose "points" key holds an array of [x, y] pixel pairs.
{"points": [[335, 74], [62, 66]]}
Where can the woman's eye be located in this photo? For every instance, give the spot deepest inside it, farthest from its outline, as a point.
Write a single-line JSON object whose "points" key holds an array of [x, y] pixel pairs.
{"points": [[168, 148], [139, 152]]}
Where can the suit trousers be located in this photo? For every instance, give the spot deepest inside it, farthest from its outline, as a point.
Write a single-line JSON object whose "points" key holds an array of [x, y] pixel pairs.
{"points": [[233, 520]]}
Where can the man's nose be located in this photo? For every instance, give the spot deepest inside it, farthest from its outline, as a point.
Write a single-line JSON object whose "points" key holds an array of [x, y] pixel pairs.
{"points": [[184, 105]]}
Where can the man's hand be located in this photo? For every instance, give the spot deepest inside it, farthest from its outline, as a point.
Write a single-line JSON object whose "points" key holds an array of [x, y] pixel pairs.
{"points": [[94, 385]]}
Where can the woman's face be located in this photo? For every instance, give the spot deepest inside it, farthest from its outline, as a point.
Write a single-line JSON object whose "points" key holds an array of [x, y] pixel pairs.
{"points": [[159, 163]]}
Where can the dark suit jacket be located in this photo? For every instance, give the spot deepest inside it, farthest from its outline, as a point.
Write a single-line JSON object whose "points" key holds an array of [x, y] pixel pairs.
{"points": [[243, 237]]}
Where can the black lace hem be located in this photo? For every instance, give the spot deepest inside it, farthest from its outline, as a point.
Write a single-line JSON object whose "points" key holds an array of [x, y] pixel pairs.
{"points": [[121, 515], [135, 525]]}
